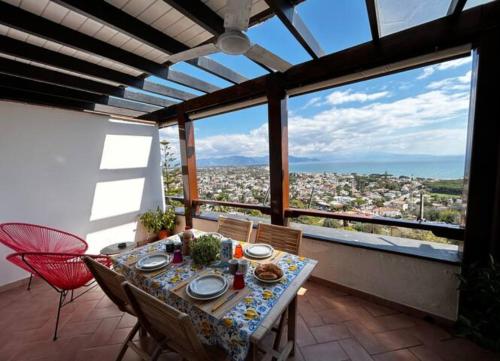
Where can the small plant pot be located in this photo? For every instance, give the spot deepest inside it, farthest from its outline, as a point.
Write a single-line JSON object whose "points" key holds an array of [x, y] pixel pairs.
{"points": [[163, 234]]}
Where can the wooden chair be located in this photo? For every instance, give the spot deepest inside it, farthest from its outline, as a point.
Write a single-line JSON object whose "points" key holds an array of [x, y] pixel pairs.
{"points": [[282, 238], [111, 284], [171, 329], [236, 229]]}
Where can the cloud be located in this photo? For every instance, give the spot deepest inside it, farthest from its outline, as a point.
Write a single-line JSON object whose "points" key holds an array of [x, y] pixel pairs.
{"points": [[455, 83], [341, 97], [452, 64]]}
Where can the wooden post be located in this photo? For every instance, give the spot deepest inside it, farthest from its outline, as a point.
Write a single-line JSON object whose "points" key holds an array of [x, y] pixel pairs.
{"points": [[277, 111], [188, 163], [482, 229]]}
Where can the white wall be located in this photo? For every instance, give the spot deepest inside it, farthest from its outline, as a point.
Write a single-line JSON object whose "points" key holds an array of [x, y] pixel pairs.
{"points": [[417, 283], [76, 171]]}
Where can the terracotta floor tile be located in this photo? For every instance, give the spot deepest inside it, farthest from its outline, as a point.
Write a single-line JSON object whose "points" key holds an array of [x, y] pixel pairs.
{"points": [[330, 333], [354, 350], [311, 317], [378, 310], [324, 352], [400, 355], [127, 321], [394, 340], [424, 353], [304, 335]]}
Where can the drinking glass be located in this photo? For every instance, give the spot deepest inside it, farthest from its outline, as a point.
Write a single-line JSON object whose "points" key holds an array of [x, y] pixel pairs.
{"points": [[239, 281], [177, 256]]}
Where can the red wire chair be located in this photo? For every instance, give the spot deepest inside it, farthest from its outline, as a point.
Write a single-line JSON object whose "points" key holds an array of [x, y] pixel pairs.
{"points": [[64, 272], [25, 237]]}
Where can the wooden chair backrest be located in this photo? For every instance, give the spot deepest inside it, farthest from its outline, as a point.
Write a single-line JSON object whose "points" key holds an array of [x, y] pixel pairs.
{"points": [[236, 229], [110, 282], [168, 326], [282, 238]]}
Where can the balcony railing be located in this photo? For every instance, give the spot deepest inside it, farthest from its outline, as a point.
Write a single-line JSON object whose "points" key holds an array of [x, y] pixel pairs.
{"points": [[439, 229]]}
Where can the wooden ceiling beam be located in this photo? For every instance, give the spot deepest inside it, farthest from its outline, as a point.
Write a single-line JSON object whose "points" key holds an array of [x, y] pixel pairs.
{"points": [[423, 40], [201, 14], [372, 18], [53, 101], [25, 21], [13, 82], [456, 7], [32, 72], [288, 15], [27, 51], [119, 20]]}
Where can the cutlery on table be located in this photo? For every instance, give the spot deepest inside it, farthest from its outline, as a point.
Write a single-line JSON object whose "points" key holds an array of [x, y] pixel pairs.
{"points": [[223, 301]]}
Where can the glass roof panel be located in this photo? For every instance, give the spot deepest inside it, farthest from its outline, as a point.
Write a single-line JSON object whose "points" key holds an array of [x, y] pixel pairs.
{"points": [[471, 3], [275, 37], [336, 25], [171, 84], [240, 63], [393, 16], [200, 74]]}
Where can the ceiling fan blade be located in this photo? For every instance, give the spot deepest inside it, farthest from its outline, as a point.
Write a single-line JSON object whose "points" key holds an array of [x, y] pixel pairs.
{"points": [[237, 14], [265, 57], [193, 53]]}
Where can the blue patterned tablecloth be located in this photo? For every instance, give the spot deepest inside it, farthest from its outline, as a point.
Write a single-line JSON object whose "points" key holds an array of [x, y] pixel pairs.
{"points": [[233, 330]]}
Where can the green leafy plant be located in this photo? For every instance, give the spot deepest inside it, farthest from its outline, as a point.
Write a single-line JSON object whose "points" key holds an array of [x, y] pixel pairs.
{"points": [[480, 311], [205, 249], [156, 221]]}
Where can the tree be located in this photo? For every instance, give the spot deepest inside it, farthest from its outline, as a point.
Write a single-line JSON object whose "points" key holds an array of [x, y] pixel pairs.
{"points": [[170, 169]]}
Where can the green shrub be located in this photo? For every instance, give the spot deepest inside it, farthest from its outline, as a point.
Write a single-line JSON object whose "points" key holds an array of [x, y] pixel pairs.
{"points": [[205, 249]]}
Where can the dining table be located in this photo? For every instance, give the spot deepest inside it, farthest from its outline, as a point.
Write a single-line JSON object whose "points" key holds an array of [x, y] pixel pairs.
{"points": [[239, 319]]}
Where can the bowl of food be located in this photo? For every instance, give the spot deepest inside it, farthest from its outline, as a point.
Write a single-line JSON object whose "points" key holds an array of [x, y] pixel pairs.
{"points": [[268, 273]]}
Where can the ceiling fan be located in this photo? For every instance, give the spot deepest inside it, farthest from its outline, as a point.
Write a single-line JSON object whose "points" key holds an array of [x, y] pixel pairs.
{"points": [[234, 41]]}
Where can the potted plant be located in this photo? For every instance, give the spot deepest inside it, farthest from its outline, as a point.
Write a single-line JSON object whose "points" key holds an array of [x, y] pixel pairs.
{"points": [[205, 249], [161, 223]]}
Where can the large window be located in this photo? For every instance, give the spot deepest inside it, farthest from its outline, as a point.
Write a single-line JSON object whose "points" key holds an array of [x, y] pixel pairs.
{"points": [[391, 147], [170, 162], [232, 160]]}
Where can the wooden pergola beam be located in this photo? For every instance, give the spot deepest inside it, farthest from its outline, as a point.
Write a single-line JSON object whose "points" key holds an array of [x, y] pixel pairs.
{"points": [[25, 21], [188, 164], [372, 18], [456, 7], [288, 15], [27, 71], [119, 20], [277, 112], [424, 40], [50, 100], [48, 57], [13, 82], [201, 14]]}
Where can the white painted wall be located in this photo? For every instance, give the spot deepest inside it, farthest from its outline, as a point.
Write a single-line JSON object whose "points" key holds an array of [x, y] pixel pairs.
{"points": [[80, 172], [421, 284]]}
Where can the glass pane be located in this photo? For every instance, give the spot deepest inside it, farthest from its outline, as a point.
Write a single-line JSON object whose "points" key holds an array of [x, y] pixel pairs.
{"points": [[391, 147], [336, 25], [394, 17], [170, 161], [471, 3]]}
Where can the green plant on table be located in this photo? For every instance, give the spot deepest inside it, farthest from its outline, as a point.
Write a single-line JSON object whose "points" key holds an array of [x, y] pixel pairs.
{"points": [[156, 221], [205, 249], [480, 298]]}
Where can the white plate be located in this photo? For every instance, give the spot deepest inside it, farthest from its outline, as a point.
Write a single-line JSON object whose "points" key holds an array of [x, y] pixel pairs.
{"points": [[190, 294], [268, 281], [153, 261], [259, 250], [207, 285]]}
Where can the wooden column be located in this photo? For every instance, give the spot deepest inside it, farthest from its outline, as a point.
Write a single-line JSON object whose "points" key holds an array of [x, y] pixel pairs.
{"points": [[277, 111], [483, 208], [188, 163]]}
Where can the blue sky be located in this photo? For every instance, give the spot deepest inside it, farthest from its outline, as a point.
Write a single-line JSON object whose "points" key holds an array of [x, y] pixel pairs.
{"points": [[422, 111]]}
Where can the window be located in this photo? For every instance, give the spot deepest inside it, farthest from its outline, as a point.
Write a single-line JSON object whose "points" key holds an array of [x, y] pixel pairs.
{"points": [[232, 159], [170, 162], [391, 147]]}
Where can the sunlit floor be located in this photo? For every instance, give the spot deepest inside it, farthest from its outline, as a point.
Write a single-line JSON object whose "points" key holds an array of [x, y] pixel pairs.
{"points": [[331, 326]]}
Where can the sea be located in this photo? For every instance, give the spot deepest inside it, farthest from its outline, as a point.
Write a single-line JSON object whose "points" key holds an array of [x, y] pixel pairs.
{"points": [[438, 169]]}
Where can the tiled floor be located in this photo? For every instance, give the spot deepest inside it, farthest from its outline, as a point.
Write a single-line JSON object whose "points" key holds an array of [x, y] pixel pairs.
{"points": [[332, 326]]}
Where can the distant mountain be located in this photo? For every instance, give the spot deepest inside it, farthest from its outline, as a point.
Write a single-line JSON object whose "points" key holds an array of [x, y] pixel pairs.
{"points": [[237, 160]]}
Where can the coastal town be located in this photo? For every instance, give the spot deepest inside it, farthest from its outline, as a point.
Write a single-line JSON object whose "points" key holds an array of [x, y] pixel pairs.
{"points": [[369, 195]]}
